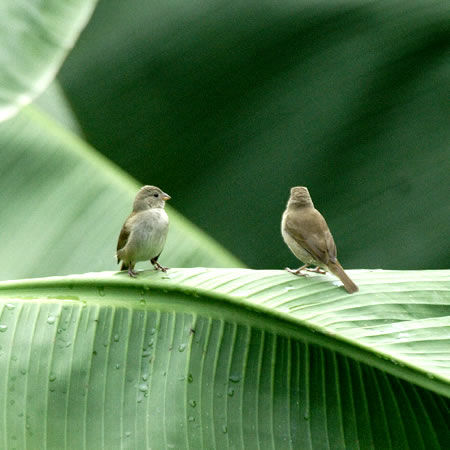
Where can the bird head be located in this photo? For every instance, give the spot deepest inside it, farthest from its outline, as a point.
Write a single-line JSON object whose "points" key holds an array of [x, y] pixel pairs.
{"points": [[300, 197], [150, 197]]}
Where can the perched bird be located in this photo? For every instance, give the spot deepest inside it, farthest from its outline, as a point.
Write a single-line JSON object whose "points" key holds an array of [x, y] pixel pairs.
{"points": [[144, 233], [307, 235]]}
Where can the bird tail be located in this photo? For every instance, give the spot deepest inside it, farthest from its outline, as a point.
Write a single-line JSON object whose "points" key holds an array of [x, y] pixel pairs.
{"points": [[124, 266], [338, 270]]}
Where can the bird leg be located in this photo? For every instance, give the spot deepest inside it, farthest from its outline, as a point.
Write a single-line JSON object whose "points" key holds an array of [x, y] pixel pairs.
{"points": [[131, 272], [317, 270], [297, 271], [158, 266]]}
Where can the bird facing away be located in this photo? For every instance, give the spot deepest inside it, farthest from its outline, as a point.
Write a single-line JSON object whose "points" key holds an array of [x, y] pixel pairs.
{"points": [[307, 235], [144, 233]]}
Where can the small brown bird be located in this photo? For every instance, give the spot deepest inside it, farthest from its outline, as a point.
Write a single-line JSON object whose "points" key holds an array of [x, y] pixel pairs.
{"points": [[144, 233], [306, 233]]}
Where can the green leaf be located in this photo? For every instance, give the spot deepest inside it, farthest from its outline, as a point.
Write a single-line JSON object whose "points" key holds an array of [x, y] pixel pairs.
{"points": [[225, 358], [246, 99], [63, 206], [36, 37], [54, 103]]}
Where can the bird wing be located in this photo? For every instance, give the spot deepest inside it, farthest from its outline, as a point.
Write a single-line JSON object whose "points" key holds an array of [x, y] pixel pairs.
{"points": [[331, 246], [124, 235], [310, 230]]}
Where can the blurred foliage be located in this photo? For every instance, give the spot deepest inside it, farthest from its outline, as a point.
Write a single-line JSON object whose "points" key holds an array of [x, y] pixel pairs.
{"points": [[35, 37], [229, 104], [63, 204]]}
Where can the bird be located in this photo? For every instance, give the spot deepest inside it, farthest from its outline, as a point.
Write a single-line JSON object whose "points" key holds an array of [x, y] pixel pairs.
{"points": [[144, 233], [307, 235]]}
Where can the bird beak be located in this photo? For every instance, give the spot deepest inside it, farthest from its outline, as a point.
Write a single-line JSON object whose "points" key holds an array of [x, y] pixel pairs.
{"points": [[166, 197]]}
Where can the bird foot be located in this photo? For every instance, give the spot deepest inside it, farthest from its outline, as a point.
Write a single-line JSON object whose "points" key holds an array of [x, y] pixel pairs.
{"points": [[297, 271], [317, 270], [132, 273], [158, 266]]}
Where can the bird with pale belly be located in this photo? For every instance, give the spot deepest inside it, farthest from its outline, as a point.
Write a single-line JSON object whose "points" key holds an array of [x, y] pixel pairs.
{"points": [[144, 233]]}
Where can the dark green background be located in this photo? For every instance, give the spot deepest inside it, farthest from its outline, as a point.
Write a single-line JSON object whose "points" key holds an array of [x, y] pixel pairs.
{"points": [[227, 104]]}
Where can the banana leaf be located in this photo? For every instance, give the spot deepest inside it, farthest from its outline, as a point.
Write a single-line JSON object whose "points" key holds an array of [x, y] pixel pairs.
{"points": [[225, 358], [36, 37]]}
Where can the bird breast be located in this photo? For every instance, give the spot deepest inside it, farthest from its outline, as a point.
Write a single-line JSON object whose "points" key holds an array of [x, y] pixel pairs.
{"points": [[149, 234]]}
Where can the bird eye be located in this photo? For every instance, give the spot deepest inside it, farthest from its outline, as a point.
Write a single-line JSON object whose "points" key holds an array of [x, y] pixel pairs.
{"points": [[156, 195]]}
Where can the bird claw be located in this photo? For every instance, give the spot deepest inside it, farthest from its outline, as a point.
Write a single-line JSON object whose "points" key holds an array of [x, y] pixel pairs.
{"points": [[132, 273], [158, 266], [297, 272], [317, 270]]}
